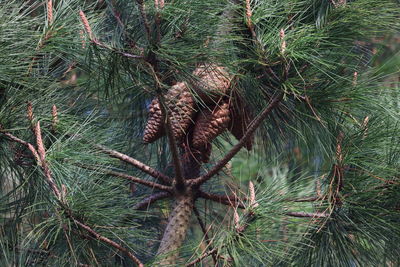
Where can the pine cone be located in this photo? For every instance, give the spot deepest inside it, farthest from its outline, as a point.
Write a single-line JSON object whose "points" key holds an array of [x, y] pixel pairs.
{"points": [[240, 121], [211, 82], [210, 124], [180, 109], [154, 127]]}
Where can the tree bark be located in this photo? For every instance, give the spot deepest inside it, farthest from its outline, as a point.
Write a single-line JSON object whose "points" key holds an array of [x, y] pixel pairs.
{"points": [[179, 219], [175, 233]]}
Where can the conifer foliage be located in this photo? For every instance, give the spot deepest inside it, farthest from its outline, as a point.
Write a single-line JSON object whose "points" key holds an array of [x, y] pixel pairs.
{"points": [[199, 133]]}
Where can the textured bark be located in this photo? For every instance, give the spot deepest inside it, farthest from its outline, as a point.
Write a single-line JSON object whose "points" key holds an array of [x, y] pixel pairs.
{"points": [[175, 233], [179, 219]]}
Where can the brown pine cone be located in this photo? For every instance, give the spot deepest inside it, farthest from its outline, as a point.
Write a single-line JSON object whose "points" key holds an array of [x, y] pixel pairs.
{"points": [[240, 121], [154, 127], [180, 106], [210, 82], [209, 124], [180, 109]]}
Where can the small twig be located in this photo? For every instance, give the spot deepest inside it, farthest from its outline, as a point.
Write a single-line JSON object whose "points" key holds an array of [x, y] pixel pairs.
{"points": [[158, 20], [232, 201], [22, 142], [205, 232], [240, 226], [128, 55], [128, 177], [301, 214], [146, 202], [108, 241], [235, 149], [305, 199], [139, 165], [93, 40], [178, 179], [205, 255], [145, 20]]}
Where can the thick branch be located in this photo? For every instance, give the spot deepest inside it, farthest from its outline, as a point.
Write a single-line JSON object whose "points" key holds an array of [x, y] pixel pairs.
{"points": [[141, 166], [235, 149], [145, 203]]}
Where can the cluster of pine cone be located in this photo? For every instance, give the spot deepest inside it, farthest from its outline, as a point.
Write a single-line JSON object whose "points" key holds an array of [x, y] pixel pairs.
{"points": [[197, 121]]}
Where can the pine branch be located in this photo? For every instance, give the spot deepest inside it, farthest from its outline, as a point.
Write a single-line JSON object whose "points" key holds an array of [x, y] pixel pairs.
{"points": [[232, 201], [22, 142], [157, 19], [205, 255], [128, 177], [301, 214], [42, 154], [124, 54], [108, 241], [145, 203], [145, 20], [139, 165], [248, 217], [95, 41], [61, 198], [178, 179], [236, 148], [249, 23], [205, 233], [305, 199]]}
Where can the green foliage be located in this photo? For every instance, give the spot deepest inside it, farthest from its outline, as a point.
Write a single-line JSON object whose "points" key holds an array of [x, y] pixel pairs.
{"points": [[102, 91]]}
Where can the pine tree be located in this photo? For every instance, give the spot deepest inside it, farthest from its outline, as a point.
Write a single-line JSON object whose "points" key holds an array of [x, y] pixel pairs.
{"points": [[199, 133]]}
